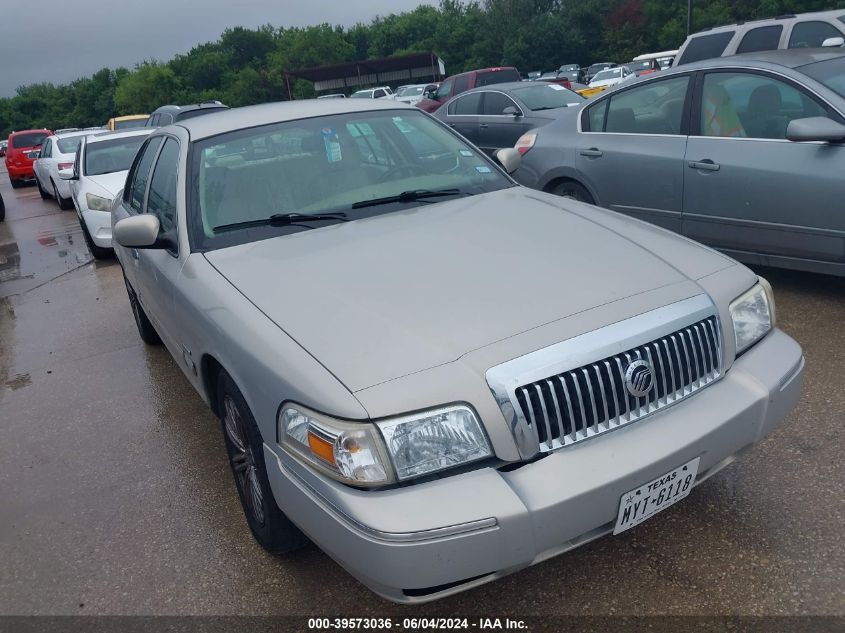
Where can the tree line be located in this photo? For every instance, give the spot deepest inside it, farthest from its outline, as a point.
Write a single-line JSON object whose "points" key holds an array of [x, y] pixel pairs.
{"points": [[246, 66]]}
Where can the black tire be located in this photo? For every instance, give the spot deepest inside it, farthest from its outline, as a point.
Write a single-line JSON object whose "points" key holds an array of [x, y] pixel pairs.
{"points": [[64, 203], [244, 446], [44, 195], [574, 190], [16, 184], [145, 328], [2, 209], [99, 252]]}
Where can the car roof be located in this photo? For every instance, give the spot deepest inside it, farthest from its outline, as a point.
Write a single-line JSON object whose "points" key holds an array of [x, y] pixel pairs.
{"points": [[279, 112], [189, 107], [40, 129], [788, 58], [106, 136], [74, 133], [802, 17]]}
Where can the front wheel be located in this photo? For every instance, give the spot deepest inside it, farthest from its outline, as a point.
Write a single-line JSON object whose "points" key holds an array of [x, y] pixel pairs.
{"points": [[245, 447], [99, 252], [573, 190], [64, 203], [145, 328]]}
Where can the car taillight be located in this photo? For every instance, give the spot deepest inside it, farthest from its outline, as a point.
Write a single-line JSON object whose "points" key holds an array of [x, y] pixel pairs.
{"points": [[65, 165], [525, 142]]}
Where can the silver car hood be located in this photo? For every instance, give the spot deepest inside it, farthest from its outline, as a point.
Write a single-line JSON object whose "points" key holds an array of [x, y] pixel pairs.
{"points": [[384, 297], [112, 182]]}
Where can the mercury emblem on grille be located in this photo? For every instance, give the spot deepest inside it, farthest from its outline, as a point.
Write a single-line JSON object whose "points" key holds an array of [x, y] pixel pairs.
{"points": [[639, 378]]}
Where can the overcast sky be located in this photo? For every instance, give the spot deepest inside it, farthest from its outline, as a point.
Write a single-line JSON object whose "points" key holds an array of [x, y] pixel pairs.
{"points": [[60, 40]]}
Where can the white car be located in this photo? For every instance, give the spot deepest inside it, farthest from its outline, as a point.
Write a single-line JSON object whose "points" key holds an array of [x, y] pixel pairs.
{"points": [[57, 152], [413, 94], [95, 179], [611, 77], [380, 92]]}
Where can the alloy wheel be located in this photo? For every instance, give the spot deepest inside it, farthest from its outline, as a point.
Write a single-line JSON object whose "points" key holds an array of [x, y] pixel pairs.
{"points": [[243, 460]]}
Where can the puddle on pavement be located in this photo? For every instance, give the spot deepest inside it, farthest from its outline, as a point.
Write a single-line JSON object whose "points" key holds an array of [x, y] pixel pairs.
{"points": [[19, 381]]}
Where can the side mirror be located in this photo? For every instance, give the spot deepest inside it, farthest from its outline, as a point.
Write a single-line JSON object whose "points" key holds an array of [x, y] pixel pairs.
{"points": [[508, 158], [67, 174], [833, 42], [33, 154], [137, 231], [816, 128], [512, 111]]}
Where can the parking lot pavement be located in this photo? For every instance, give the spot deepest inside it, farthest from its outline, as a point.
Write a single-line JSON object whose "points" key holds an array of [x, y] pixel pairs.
{"points": [[116, 497]]}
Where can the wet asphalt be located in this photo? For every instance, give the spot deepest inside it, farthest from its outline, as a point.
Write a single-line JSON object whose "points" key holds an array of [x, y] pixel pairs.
{"points": [[116, 498]]}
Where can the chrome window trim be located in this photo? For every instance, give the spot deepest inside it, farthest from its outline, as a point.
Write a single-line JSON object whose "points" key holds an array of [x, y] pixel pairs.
{"points": [[706, 69], [590, 347]]}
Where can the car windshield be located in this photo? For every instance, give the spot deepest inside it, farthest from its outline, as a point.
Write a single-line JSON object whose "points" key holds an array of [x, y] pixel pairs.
{"points": [[831, 73], [642, 65], [31, 139], [411, 91], [108, 156], [362, 94], [326, 165], [546, 97], [128, 124], [69, 145], [610, 73]]}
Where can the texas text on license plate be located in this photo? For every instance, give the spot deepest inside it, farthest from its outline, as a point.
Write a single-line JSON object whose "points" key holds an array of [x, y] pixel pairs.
{"points": [[644, 502]]}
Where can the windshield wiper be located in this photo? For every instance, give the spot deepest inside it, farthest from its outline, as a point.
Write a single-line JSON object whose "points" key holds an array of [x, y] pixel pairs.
{"points": [[282, 219], [407, 196]]}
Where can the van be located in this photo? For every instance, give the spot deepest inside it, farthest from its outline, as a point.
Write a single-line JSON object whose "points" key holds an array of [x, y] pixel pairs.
{"points": [[456, 84], [805, 30]]}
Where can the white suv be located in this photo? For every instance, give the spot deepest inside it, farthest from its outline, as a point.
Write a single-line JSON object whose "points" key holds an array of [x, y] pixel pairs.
{"points": [[805, 30], [380, 92]]}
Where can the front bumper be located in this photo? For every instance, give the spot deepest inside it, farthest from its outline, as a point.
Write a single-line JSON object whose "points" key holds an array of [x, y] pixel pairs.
{"points": [[429, 540], [99, 226]]}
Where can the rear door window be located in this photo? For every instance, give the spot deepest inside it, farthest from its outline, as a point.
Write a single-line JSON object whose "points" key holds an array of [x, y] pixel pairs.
{"points": [[141, 174], [706, 47], [468, 105], [763, 38], [811, 34], [653, 108]]}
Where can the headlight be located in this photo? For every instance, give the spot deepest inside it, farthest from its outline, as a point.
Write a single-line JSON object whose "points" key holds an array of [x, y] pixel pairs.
{"points": [[349, 451], [97, 203], [431, 441], [355, 453], [753, 315]]}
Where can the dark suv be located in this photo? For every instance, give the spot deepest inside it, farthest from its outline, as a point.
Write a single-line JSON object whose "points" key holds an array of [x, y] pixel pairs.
{"points": [[168, 114], [465, 81]]}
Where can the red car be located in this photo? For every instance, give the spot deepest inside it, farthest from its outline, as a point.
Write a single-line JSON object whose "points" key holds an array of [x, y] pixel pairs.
{"points": [[456, 84], [18, 162]]}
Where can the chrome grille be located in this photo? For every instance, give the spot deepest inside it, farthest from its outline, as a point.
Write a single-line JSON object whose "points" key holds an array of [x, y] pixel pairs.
{"points": [[583, 402]]}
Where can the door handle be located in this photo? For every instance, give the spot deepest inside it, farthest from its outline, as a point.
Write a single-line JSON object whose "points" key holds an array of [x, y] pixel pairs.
{"points": [[593, 152], [483, 125], [451, 125], [705, 165]]}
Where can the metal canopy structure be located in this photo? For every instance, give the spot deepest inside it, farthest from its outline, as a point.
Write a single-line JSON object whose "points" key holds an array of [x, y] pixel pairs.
{"points": [[417, 67]]}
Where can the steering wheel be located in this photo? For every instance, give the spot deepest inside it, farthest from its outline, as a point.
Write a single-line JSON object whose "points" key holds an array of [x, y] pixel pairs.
{"points": [[406, 167]]}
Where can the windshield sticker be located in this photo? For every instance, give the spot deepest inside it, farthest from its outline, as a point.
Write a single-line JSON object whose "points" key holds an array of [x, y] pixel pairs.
{"points": [[332, 143], [464, 152], [401, 125], [482, 169]]}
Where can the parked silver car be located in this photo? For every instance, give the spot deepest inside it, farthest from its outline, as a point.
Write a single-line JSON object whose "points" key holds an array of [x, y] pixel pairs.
{"points": [[439, 376], [743, 153]]}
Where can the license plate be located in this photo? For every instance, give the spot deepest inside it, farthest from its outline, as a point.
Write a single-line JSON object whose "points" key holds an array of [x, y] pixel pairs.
{"points": [[644, 502]]}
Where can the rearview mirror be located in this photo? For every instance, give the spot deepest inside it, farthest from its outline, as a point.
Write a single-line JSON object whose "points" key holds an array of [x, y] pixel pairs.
{"points": [[137, 231], [509, 159], [67, 174], [816, 128]]}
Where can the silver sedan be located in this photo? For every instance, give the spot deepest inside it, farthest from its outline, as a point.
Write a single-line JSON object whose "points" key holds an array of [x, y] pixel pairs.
{"points": [[742, 153], [437, 375]]}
